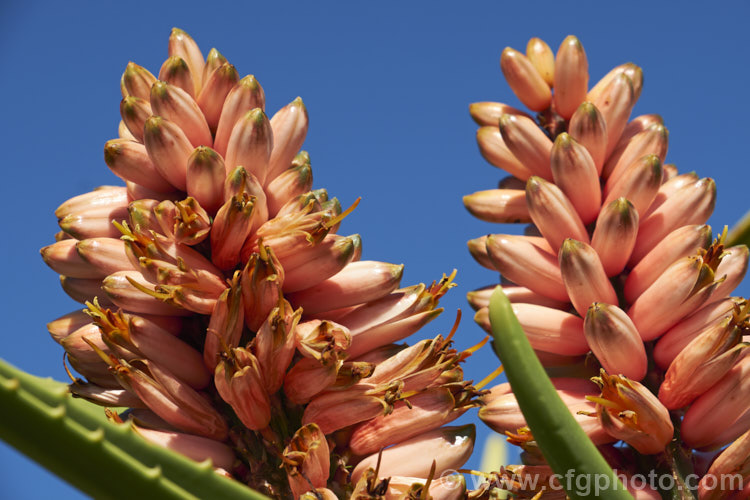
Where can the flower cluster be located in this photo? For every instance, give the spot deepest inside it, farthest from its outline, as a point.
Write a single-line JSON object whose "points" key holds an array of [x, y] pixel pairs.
{"points": [[228, 314], [616, 271]]}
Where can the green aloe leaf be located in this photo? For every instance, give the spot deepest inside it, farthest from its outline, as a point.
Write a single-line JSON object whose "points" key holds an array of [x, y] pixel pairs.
{"points": [[565, 446], [740, 233], [73, 439]]}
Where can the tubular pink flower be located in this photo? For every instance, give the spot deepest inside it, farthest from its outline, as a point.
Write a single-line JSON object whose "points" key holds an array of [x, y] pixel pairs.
{"points": [[307, 460], [571, 77], [682, 242], [703, 362], [679, 336], [425, 411], [630, 412], [733, 461], [447, 447], [584, 276], [704, 427], [501, 412]]}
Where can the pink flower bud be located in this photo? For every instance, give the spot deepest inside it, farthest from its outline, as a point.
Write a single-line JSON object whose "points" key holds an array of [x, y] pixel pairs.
{"points": [[683, 287], [308, 377], [205, 178], [552, 330], [481, 298], [250, 144], [338, 409], [182, 45], [211, 97], [703, 362], [705, 427], [584, 276], [489, 113], [686, 240], [325, 260], [541, 57], [526, 264], [169, 149], [289, 126], [639, 183], [231, 227], [732, 269], [129, 161], [615, 341], [614, 99], [493, 149], [67, 324], [680, 335], [652, 141], [136, 81], [691, 204], [358, 283], [426, 410], [615, 235], [294, 181], [393, 317], [733, 461], [246, 95], [176, 71], [587, 126], [194, 447], [498, 205], [104, 255], [553, 213], [447, 447], [575, 174], [528, 143], [179, 107], [82, 289], [502, 413], [63, 258]]}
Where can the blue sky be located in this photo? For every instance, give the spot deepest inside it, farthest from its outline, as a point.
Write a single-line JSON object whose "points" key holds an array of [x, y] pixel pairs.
{"points": [[387, 86]]}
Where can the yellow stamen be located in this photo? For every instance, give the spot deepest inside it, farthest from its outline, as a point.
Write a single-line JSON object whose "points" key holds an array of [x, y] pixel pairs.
{"points": [[489, 378]]}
